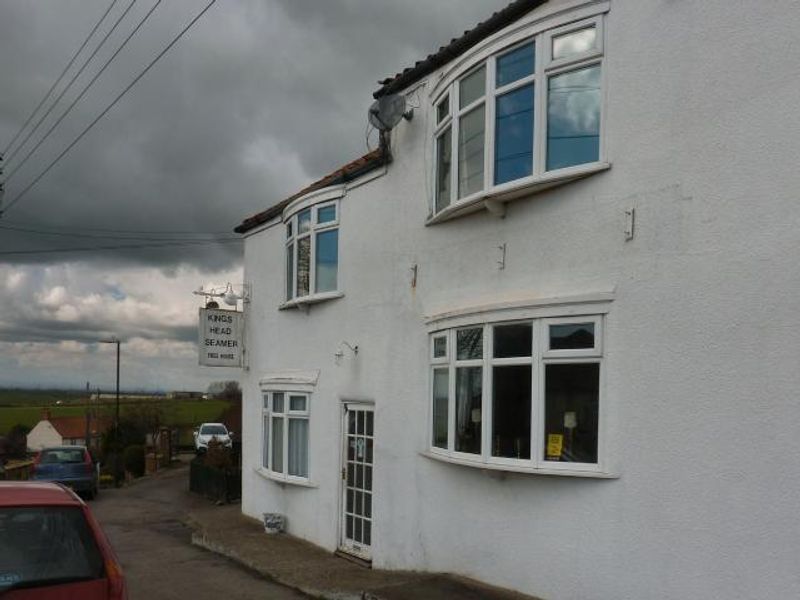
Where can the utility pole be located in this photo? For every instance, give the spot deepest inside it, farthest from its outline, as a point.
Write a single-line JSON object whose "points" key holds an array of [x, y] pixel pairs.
{"points": [[2, 186], [115, 340]]}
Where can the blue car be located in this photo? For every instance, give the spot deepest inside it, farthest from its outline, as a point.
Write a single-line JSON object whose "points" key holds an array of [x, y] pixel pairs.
{"points": [[68, 465]]}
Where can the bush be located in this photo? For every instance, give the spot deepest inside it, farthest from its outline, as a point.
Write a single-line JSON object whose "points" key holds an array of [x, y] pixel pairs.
{"points": [[218, 456], [133, 459]]}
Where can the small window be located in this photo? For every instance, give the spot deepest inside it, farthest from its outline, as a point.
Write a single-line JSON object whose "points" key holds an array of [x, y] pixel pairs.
{"points": [[285, 435], [513, 340], [441, 392], [571, 412], [574, 43], [469, 343], [326, 214], [515, 65], [572, 336], [472, 87], [469, 393], [440, 346], [513, 155], [443, 109], [470, 151], [312, 253], [573, 118], [444, 151]]}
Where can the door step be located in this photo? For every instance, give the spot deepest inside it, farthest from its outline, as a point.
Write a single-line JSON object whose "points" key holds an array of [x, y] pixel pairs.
{"points": [[361, 562]]}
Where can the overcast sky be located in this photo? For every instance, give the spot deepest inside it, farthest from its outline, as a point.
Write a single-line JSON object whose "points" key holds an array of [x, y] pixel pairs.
{"points": [[258, 99]]}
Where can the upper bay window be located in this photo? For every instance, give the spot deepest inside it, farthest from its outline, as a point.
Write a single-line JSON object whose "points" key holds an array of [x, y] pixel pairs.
{"points": [[521, 116], [312, 251]]}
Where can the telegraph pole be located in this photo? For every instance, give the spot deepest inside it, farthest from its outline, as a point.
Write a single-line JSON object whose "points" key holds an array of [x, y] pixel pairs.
{"points": [[2, 186]]}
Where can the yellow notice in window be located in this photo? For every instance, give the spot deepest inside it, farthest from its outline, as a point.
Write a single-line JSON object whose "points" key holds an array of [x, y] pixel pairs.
{"points": [[555, 442]]}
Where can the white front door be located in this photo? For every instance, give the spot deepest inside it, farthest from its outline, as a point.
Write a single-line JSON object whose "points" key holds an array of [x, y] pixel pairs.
{"points": [[356, 527]]}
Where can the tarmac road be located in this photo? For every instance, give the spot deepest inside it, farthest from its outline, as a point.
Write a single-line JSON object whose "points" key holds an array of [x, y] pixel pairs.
{"points": [[143, 522]]}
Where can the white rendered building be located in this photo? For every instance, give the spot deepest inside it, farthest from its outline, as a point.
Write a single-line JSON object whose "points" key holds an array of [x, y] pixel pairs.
{"points": [[547, 336]]}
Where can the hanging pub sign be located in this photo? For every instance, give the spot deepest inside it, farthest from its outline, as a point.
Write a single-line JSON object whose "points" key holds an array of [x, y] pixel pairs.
{"points": [[221, 333]]}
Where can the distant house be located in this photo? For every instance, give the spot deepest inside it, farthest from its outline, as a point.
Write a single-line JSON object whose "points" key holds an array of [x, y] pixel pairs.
{"points": [[66, 431]]}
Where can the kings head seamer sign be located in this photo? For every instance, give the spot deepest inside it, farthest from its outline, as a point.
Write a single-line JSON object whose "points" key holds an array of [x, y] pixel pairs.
{"points": [[220, 342]]}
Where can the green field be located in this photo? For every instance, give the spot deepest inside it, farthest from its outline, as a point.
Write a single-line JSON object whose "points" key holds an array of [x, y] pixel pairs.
{"points": [[181, 413]]}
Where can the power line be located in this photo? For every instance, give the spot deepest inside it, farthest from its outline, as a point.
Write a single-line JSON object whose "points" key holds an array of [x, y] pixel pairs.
{"points": [[131, 231], [115, 236], [115, 247], [86, 87], [166, 49], [60, 77], [67, 87]]}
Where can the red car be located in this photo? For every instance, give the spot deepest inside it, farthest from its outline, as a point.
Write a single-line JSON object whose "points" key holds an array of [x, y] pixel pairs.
{"points": [[52, 548]]}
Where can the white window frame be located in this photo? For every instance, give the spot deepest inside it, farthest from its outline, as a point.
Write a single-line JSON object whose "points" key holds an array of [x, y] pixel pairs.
{"points": [[544, 68], [291, 240], [268, 416], [540, 357]]}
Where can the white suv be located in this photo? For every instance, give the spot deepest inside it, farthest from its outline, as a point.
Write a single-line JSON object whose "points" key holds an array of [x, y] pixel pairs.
{"points": [[212, 431]]}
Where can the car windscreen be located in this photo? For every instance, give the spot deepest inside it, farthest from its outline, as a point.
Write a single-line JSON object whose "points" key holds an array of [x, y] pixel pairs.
{"points": [[46, 545], [213, 430], [62, 455]]}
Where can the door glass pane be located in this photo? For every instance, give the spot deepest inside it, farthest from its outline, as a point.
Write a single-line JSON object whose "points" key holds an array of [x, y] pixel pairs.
{"points": [[326, 214], [443, 109], [304, 221], [470, 152], [327, 260], [512, 340], [472, 87], [573, 118], [469, 386], [444, 151], [298, 447], [277, 444], [574, 42], [367, 533], [515, 65], [469, 343], [572, 336], [303, 265], [571, 412], [370, 422], [441, 383], [289, 271], [514, 135], [511, 411]]}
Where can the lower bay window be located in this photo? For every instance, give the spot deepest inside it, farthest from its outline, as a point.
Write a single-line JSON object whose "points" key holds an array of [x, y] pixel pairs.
{"points": [[523, 394], [285, 417]]}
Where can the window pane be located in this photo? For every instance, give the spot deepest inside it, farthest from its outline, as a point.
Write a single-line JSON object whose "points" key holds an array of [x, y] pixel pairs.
{"points": [[298, 447], [303, 265], [441, 381], [469, 343], [472, 87], [515, 65], [444, 151], [513, 340], [511, 411], [443, 109], [571, 412], [514, 135], [440, 346], [327, 261], [572, 336], [470, 152], [575, 42], [326, 214], [469, 386], [304, 221], [277, 402], [297, 403], [289, 271], [573, 118], [265, 446], [265, 399], [277, 444], [288, 230]]}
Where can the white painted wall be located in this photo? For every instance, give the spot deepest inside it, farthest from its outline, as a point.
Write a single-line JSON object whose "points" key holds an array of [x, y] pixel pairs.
{"points": [[43, 435], [701, 341]]}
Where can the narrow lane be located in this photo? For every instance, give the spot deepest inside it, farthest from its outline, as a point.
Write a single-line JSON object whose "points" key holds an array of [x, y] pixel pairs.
{"points": [[144, 524]]}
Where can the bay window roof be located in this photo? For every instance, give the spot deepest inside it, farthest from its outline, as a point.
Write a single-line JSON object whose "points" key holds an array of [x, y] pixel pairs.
{"points": [[352, 170], [457, 46]]}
